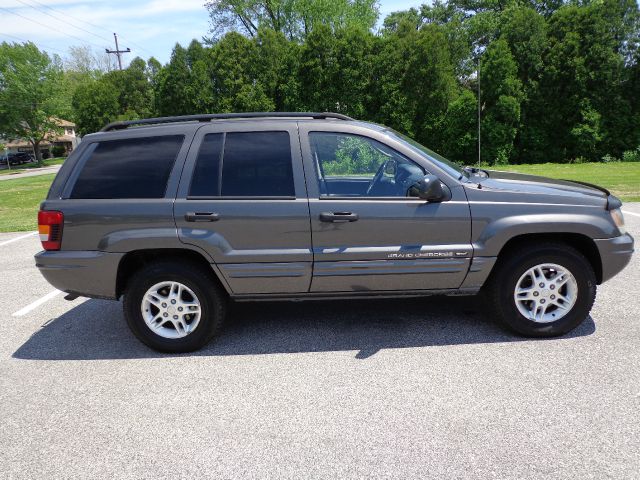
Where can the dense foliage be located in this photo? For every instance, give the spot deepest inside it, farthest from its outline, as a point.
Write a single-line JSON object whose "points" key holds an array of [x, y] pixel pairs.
{"points": [[559, 80]]}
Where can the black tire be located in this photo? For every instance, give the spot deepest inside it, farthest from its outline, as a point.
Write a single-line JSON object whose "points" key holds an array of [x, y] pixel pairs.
{"points": [[193, 276], [499, 292]]}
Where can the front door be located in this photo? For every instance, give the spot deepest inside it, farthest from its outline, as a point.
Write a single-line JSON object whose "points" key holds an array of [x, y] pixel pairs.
{"points": [[242, 200], [369, 233]]}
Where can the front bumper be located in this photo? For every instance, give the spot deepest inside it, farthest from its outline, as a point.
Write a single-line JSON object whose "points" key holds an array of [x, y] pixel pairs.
{"points": [[86, 273], [615, 254]]}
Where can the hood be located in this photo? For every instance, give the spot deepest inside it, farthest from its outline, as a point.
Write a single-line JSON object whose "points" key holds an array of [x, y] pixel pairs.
{"points": [[533, 184]]}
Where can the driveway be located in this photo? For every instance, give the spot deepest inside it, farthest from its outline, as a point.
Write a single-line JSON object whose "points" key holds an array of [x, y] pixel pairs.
{"points": [[426, 388]]}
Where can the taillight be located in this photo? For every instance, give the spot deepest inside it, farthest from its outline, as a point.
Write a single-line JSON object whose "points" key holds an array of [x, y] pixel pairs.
{"points": [[50, 229]]}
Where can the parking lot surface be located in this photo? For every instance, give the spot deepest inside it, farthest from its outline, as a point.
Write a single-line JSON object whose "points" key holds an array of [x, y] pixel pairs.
{"points": [[424, 388]]}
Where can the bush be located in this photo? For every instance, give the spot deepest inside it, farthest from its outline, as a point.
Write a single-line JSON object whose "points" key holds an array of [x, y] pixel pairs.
{"points": [[58, 151], [608, 158], [631, 155]]}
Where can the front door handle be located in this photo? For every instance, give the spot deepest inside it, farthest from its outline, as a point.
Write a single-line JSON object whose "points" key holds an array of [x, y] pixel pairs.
{"points": [[201, 217], [338, 217]]}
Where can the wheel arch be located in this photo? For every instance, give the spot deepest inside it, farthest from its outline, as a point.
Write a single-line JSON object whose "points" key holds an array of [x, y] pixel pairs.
{"points": [[583, 243], [136, 259]]}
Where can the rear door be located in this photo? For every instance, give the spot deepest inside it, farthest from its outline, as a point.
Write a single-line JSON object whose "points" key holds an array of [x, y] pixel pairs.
{"points": [[368, 235], [242, 199]]}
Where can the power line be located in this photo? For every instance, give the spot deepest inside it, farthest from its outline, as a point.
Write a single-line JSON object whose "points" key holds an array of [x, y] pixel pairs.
{"points": [[62, 19], [91, 25], [50, 27], [71, 16]]}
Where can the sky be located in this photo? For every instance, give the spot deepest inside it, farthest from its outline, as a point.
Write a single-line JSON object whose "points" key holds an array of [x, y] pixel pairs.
{"points": [[147, 27]]}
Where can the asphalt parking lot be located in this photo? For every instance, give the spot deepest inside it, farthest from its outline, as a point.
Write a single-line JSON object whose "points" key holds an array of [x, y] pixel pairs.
{"points": [[426, 388]]}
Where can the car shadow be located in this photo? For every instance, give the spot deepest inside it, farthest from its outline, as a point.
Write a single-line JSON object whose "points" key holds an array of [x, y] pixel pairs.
{"points": [[96, 329]]}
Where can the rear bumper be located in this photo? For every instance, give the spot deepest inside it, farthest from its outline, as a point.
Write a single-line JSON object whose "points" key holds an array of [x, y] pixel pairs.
{"points": [[86, 273], [615, 254]]}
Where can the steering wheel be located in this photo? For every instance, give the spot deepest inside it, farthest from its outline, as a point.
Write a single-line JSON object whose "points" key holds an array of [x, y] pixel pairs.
{"points": [[376, 178]]}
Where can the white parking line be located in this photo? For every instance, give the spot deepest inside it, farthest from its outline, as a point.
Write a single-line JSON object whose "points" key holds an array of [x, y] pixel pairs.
{"points": [[631, 213], [30, 234], [36, 304]]}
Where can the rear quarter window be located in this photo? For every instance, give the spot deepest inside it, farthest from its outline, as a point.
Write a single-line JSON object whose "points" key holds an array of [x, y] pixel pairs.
{"points": [[129, 168]]}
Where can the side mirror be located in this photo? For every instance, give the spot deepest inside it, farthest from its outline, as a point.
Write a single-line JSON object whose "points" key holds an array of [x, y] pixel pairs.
{"points": [[431, 189]]}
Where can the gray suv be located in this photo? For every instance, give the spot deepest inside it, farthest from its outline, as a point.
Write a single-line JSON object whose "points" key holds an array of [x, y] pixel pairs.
{"points": [[178, 215]]}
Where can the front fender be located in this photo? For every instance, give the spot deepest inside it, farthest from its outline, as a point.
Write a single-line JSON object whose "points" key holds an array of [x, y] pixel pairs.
{"points": [[493, 227]]}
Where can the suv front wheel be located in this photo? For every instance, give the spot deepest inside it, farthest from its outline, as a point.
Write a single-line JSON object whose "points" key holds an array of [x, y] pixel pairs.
{"points": [[543, 291], [173, 306]]}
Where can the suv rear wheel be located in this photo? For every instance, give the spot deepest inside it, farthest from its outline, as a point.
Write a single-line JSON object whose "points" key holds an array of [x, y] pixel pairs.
{"points": [[543, 291], [174, 306]]}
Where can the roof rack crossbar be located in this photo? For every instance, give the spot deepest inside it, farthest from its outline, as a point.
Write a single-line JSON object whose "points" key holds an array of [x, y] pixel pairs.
{"points": [[220, 116]]}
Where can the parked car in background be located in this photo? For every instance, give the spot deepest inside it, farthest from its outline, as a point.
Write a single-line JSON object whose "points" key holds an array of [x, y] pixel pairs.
{"points": [[18, 158], [179, 215]]}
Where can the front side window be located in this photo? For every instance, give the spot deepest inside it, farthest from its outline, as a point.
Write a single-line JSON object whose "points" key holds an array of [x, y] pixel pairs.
{"points": [[244, 164], [131, 168], [357, 166]]}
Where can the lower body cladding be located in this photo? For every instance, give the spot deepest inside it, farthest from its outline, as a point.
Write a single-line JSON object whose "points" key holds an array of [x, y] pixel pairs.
{"points": [[356, 278], [94, 274], [386, 275]]}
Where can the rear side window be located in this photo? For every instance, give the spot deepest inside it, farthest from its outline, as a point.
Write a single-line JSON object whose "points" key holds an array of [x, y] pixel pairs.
{"points": [[244, 164], [131, 168]]}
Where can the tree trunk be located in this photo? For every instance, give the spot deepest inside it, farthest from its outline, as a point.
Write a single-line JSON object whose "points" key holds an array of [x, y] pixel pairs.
{"points": [[36, 149]]}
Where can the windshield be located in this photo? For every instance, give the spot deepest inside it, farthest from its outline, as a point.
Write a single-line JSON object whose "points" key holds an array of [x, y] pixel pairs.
{"points": [[450, 167]]}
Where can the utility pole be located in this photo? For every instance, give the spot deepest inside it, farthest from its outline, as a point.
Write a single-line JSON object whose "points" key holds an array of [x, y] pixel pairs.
{"points": [[117, 51]]}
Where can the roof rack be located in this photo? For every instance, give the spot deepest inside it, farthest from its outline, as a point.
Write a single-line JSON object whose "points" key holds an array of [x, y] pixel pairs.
{"points": [[221, 116]]}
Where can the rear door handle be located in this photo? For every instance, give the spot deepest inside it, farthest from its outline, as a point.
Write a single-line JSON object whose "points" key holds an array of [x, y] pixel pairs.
{"points": [[338, 217], [201, 217]]}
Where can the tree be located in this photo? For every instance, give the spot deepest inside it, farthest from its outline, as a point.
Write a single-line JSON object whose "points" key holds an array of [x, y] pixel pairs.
{"points": [[83, 60], [119, 95], [294, 18], [276, 59], [30, 94], [184, 87], [524, 30], [94, 104], [335, 71], [459, 129], [404, 19], [236, 85], [415, 83], [135, 96], [153, 70], [586, 75], [501, 97]]}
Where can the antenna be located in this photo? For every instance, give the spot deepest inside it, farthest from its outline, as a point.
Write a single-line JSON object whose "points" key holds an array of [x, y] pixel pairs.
{"points": [[479, 115]]}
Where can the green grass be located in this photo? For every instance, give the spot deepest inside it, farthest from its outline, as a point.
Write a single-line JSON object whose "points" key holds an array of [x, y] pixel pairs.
{"points": [[20, 200], [620, 178], [15, 169]]}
